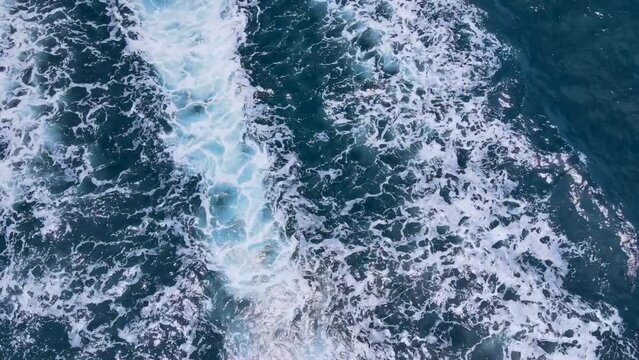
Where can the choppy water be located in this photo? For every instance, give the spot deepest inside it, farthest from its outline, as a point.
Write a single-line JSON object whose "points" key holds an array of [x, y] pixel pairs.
{"points": [[369, 179]]}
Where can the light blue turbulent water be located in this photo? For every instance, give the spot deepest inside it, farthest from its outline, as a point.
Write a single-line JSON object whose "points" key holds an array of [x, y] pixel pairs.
{"points": [[322, 179]]}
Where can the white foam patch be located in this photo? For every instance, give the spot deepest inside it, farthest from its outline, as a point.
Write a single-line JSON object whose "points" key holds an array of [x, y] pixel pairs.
{"points": [[193, 45]]}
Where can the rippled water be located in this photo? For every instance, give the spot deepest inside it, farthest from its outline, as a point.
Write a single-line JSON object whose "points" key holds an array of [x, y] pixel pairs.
{"points": [[318, 180]]}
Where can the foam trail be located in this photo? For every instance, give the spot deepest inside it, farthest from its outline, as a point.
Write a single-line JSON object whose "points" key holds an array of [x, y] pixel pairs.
{"points": [[193, 45]]}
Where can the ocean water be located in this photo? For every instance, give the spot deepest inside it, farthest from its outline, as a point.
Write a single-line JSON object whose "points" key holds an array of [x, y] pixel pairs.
{"points": [[319, 179]]}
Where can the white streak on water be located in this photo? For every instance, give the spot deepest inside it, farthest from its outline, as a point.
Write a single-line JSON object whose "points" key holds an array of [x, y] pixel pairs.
{"points": [[193, 45]]}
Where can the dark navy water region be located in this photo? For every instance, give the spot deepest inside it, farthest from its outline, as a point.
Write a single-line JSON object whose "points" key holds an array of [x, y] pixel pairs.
{"points": [[578, 65]]}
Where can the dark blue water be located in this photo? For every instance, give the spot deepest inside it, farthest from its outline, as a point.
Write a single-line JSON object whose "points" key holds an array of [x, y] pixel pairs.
{"points": [[578, 64], [318, 179]]}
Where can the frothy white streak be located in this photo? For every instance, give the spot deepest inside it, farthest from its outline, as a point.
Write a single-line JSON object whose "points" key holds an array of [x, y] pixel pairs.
{"points": [[194, 47]]}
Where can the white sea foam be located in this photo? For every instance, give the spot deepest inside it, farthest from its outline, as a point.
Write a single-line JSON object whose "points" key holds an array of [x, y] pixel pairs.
{"points": [[194, 47]]}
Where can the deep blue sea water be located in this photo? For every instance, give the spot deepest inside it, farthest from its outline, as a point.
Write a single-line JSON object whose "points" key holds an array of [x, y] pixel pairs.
{"points": [[319, 179]]}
